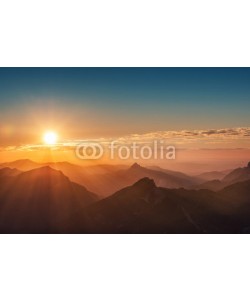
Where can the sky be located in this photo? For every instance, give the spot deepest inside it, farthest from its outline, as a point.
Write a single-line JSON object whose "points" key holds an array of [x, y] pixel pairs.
{"points": [[192, 107]]}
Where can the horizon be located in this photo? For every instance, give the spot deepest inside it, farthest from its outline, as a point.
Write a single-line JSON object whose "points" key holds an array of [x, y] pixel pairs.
{"points": [[184, 168]]}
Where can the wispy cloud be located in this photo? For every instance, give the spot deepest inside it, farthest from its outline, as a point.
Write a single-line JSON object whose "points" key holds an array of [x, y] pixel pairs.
{"points": [[194, 134], [237, 137], [199, 139]]}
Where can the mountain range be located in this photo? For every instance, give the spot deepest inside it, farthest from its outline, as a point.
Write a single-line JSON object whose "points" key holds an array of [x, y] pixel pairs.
{"points": [[48, 198], [105, 180], [237, 175], [146, 208]]}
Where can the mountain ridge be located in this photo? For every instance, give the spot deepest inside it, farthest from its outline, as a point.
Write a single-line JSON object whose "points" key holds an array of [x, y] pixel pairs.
{"points": [[160, 210], [42, 200]]}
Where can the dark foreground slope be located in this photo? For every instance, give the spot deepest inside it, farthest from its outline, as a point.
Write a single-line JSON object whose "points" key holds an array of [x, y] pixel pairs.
{"points": [[145, 208], [41, 201]]}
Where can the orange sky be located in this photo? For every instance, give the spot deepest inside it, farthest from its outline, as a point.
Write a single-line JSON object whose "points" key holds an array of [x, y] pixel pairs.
{"points": [[196, 151]]}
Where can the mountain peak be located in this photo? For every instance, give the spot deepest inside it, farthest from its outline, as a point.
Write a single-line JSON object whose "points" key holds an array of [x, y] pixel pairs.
{"points": [[135, 166], [145, 183], [45, 171], [6, 169]]}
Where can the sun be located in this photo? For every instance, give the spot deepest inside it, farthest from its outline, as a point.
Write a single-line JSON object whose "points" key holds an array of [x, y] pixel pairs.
{"points": [[50, 138]]}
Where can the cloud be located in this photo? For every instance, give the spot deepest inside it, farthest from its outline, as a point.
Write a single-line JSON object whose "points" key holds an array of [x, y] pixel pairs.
{"points": [[195, 134], [208, 138], [231, 137]]}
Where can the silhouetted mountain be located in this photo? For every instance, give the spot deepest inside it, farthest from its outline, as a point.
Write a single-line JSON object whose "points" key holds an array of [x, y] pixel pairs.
{"points": [[162, 178], [140, 208], [44, 200], [105, 180], [237, 175], [100, 179], [145, 208], [110, 182], [41, 200], [237, 194]]}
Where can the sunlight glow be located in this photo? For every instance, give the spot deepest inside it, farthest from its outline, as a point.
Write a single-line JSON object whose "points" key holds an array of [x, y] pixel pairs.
{"points": [[50, 138]]}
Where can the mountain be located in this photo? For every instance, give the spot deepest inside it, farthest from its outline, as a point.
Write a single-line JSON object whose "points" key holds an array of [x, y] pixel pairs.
{"points": [[104, 180], [140, 208], [9, 172], [106, 184], [100, 179], [162, 178], [41, 201], [189, 180], [237, 175], [215, 175], [213, 185], [44, 200], [146, 208], [22, 165], [237, 195]]}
